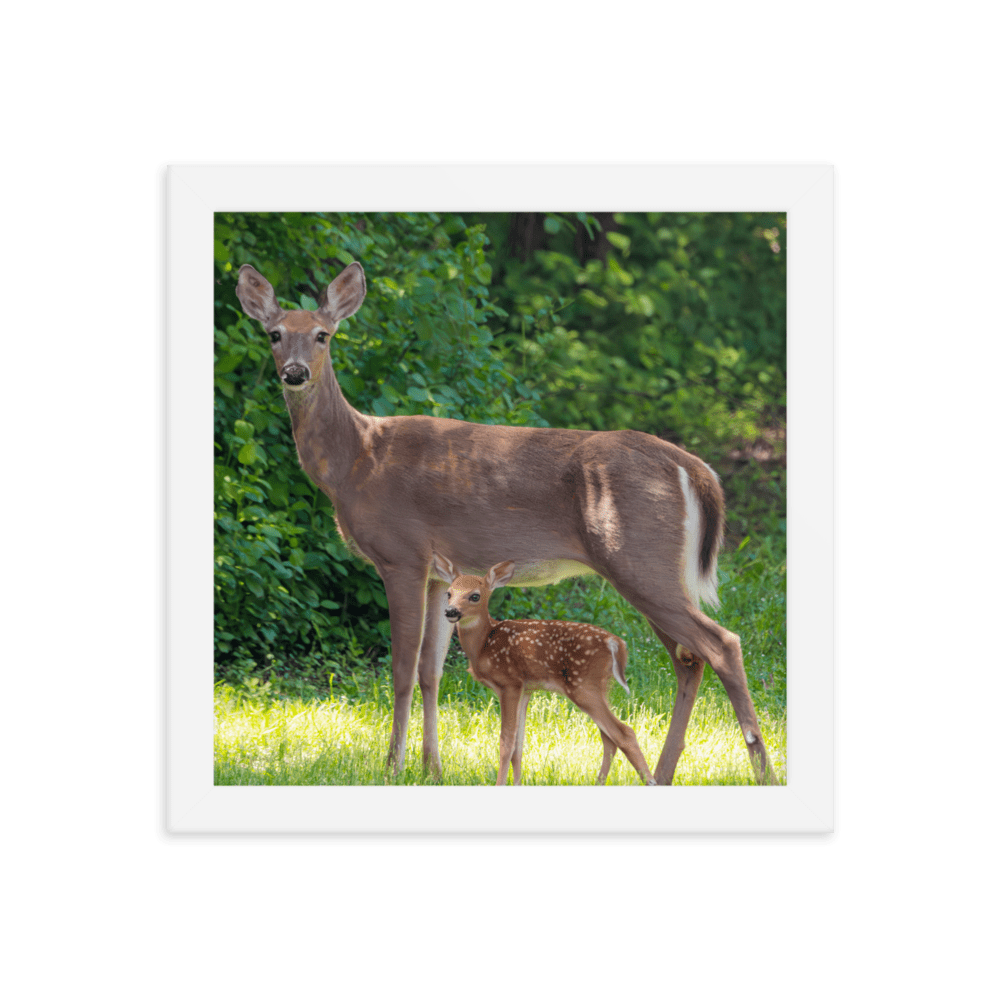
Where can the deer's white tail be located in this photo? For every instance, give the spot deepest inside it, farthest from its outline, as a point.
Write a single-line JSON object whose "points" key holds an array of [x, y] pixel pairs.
{"points": [[704, 525]]}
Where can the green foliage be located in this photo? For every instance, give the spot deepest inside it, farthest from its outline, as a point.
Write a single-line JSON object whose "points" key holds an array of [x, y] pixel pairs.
{"points": [[665, 323], [678, 331], [755, 495], [288, 594]]}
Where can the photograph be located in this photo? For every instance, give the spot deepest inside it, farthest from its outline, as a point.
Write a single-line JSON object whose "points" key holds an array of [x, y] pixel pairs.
{"points": [[499, 486]]}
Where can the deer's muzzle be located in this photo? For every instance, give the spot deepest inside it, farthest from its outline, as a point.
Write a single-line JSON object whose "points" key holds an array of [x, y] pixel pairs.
{"points": [[294, 374], [452, 614]]}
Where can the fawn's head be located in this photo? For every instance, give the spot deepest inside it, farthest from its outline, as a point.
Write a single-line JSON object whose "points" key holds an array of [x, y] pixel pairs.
{"points": [[469, 596], [300, 338]]}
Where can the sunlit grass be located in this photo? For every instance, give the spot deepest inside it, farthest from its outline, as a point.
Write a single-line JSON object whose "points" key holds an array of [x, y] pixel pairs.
{"points": [[263, 740], [343, 737], [265, 737]]}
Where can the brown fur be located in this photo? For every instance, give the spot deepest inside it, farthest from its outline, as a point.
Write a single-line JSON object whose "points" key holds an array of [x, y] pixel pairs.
{"points": [[515, 658], [554, 501]]}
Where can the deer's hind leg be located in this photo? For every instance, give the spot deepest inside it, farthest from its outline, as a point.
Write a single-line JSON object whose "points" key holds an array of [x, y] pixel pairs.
{"points": [[706, 641], [689, 670]]}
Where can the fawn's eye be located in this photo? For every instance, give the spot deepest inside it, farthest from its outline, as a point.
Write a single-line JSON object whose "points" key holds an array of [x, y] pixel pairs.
{"points": [[474, 598], [321, 337], [449, 595], [275, 336]]}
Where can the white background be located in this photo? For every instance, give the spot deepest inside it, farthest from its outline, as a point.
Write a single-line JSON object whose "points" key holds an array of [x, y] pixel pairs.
{"points": [[805, 804]]}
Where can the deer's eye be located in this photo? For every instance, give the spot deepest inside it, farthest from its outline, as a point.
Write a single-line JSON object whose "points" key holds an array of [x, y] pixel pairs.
{"points": [[275, 336], [321, 337], [474, 598]]}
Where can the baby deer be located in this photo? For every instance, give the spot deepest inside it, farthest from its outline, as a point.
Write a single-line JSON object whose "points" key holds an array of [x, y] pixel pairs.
{"points": [[514, 658]]}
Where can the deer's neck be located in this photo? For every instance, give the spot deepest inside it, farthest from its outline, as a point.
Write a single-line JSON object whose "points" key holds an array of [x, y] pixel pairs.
{"points": [[327, 429], [472, 638]]}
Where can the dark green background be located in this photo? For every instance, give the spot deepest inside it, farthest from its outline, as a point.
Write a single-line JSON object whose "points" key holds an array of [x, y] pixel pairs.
{"points": [[96, 101]]}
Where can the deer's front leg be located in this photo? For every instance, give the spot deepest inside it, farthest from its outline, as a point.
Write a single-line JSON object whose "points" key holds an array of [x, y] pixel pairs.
{"points": [[510, 699], [433, 649], [405, 590]]}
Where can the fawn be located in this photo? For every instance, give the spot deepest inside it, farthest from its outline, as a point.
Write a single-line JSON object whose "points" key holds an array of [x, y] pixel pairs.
{"points": [[514, 658]]}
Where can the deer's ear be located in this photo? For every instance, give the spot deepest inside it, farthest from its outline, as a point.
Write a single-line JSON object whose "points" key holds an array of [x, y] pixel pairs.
{"points": [[257, 296], [444, 568], [500, 575], [345, 294]]}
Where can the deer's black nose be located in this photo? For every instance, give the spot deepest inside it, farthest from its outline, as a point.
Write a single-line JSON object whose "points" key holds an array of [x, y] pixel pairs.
{"points": [[293, 374], [452, 614]]}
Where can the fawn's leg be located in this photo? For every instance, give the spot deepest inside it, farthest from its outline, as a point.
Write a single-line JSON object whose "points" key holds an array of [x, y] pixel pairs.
{"points": [[510, 698], [595, 704], [609, 751], [522, 711]]}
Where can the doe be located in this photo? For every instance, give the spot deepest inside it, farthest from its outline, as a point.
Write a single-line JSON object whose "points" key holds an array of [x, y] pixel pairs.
{"points": [[515, 658], [642, 513]]}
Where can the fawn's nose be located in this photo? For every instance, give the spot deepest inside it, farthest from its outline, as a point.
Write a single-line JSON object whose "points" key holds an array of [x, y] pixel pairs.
{"points": [[294, 374], [452, 614]]}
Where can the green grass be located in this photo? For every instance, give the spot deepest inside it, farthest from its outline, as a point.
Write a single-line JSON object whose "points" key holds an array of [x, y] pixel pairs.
{"points": [[266, 736]]}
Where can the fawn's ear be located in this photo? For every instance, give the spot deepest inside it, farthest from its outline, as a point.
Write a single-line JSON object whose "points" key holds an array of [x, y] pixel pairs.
{"points": [[500, 575], [444, 568], [257, 296], [344, 294]]}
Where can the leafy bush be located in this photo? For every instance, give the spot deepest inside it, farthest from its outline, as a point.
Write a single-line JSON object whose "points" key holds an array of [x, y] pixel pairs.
{"points": [[287, 590], [665, 323], [678, 329]]}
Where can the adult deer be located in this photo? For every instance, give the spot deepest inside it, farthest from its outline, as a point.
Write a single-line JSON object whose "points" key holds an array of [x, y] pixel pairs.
{"points": [[515, 658], [643, 513]]}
